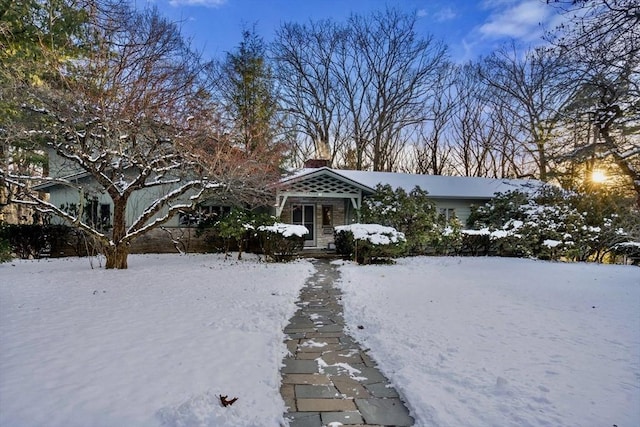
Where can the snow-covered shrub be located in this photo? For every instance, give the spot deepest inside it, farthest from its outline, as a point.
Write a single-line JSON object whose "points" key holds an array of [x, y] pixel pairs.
{"points": [[235, 227], [628, 250], [413, 214], [495, 214], [475, 242], [610, 218], [549, 224], [447, 236], [234, 231], [366, 243], [280, 242]]}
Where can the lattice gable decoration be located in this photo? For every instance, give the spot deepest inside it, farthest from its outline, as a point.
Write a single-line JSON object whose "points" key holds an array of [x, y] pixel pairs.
{"points": [[322, 184]]}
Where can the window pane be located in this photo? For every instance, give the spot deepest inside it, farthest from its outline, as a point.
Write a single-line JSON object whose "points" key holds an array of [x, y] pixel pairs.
{"points": [[308, 213], [296, 214], [309, 226], [327, 216]]}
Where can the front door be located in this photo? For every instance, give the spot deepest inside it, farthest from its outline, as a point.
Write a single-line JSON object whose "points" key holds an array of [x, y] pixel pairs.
{"points": [[305, 215]]}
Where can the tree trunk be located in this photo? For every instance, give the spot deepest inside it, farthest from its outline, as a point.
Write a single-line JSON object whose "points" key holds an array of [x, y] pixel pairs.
{"points": [[117, 256], [118, 250]]}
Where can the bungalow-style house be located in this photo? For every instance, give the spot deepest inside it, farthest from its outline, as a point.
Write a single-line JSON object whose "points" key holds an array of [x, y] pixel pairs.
{"points": [[322, 198], [316, 196]]}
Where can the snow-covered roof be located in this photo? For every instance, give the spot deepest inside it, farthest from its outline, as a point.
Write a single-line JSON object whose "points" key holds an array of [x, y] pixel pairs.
{"points": [[438, 186], [49, 182]]}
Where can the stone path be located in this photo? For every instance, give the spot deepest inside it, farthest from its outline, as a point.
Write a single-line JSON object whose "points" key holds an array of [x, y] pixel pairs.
{"points": [[327, 379]]}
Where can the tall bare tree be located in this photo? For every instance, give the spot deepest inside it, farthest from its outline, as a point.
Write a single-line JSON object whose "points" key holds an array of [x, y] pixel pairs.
{"points": [[304, 56], [363, 83], [534, 87], [433, 146]]}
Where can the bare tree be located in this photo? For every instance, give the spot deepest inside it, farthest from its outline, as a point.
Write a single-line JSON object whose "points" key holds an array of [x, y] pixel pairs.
{"points": [[131, 120], [433, 148], [471, 124], [511, 159], [303, 55], [363, 83], [535, 88]]}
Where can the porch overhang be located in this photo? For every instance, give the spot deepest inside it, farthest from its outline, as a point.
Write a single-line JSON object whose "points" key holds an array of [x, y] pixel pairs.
{"points": [[319, 183]]}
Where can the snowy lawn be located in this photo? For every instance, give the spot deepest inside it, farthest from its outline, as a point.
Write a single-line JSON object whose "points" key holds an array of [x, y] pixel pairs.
{"points": [[153, 345], [503, 342]]}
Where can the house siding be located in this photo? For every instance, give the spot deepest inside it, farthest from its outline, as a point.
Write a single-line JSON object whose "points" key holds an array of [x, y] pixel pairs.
{"points": [[170, 240], [462, 207]]}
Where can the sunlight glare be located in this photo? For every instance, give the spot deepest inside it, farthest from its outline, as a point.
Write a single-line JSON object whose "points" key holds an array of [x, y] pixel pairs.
{"points": [[598, 176]]}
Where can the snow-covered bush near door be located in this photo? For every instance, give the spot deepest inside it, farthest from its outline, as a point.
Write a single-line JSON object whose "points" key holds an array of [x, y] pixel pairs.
{"points": [[369, 242], [281, 241]]}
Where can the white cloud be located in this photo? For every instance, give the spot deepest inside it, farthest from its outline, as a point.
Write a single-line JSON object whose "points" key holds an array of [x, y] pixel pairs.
{"points": [[421, 13], [205, 3], [492, 4], [518, 20], [444, 14]]}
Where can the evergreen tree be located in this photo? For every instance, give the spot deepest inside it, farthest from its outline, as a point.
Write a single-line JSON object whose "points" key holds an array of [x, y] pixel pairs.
{"points": [[35, 37], [249, 93]]}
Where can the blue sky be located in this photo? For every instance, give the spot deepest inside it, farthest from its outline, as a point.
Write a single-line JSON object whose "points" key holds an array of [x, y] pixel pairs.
{"points": [[470, 28]]}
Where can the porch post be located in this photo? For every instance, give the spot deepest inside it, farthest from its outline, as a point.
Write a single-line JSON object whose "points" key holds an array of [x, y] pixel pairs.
{"points": [[356, 202], [281, 200]]}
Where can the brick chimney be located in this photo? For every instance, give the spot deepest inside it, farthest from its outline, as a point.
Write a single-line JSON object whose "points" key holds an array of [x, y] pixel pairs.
{"points": [[316, 163]]}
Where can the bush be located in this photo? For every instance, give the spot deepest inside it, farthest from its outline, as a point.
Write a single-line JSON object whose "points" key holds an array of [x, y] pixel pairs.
{"points": [[369, 243], [234, 231], [550, 224], [629, 250], [345, 243], [281, 242], [413, 214], [476, 242], [5, 250], [502, 208], [447, 237], [34, 240]]}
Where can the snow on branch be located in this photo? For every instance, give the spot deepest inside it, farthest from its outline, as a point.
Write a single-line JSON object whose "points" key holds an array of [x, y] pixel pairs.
{"points": [[140, 225], [44, 206]]}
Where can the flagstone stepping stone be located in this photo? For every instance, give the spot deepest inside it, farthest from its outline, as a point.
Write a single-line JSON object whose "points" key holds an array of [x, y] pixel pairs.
{"points": [[346, 418], [384, 412], [295, 366]]}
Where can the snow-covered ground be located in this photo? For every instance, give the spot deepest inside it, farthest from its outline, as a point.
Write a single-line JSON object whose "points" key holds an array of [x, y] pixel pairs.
{"points": [[153, 345], [468, 341], [503, 342]]}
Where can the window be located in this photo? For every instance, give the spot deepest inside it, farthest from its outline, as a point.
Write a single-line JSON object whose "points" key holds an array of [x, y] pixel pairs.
{"points": [[105, 215], [304, 215], [191, 218], [98, 215], [327, 216], [448, 213], [327, 219]]}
